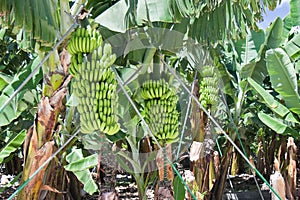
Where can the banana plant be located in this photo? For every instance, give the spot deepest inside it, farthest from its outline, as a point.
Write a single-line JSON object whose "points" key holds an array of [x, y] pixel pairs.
{"points": [[281, 64], [237, 62]]}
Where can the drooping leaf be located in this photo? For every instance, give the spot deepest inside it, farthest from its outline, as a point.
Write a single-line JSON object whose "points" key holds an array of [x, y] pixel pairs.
{"points": [[4, 80], [157, 10], [13, 110], [118, 24], [34, 21], [283, 77], [82, 164], [124, 165], [292, 47], [277, 125], [179, 191], [12, 145], [255, 70], [134, 163], [274, 105], [92, 141], [83, 176]]}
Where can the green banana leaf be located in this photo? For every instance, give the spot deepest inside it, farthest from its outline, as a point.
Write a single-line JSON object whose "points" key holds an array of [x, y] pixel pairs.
{"points": [[84, 176], [277, 125], [82, 164], [15, 108], [274, 34], [292, 19], [118, 24], [270, 101], [248, 47], [283, 77], [255, 70], [12, 145], [292, 47], [4, 80], [179, 191], [36, 21]]}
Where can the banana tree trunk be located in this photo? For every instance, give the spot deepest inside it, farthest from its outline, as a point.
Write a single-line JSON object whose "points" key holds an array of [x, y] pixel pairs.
{"points": [[217, 190], [39, 144], [202, 164]]}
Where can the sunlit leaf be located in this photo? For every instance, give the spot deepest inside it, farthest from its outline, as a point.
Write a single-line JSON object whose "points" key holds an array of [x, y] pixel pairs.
{"points": [[12, 145], [83, 176], [270, 101], [13, 110], [293, 47], [82, 164], [277, 125], [249, 47], [118, 24], [4, 80], [157, 10], [274, 33], [283, 77]]}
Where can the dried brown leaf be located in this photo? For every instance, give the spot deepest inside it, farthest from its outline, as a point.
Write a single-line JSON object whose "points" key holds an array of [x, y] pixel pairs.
{"points": [[51, 189], [196, 150]]}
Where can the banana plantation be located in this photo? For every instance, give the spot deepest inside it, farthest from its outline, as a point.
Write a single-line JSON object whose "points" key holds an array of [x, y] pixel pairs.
{"points": [[149, 99]]}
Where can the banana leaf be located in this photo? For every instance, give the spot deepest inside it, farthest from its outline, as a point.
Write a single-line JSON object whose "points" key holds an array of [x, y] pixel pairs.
{"points": [[292, 47], [12, 145], [293, 18], [274, 34], [82, 164], [277, 125], [179, 191], [84, 176], [270, 101], [14, 109], [283, 77], [248, 47]]}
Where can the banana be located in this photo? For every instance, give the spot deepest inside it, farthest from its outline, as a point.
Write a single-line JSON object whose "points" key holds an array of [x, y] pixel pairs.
{"points": [[94, 83], [105, 110], [102, 126], [76, 44], [84, 41]]}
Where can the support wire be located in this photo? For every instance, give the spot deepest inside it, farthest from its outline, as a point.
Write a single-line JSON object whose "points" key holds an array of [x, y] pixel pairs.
{"points": [[186, 115]]}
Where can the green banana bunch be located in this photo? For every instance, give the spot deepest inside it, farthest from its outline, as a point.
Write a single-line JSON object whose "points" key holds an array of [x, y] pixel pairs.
{"points": [[209, 87], [83, 41], [160, 102], [95, 86]]}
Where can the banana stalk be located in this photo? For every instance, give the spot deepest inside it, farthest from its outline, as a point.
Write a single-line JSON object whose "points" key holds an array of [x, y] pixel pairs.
{"points": [[207, 92], [234, 164], [39, 144], [198, 121]]}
